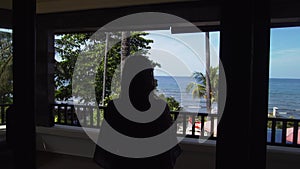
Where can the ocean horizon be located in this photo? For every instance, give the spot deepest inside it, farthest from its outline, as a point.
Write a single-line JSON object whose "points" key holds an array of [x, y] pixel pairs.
{"points": [[284, 94]]}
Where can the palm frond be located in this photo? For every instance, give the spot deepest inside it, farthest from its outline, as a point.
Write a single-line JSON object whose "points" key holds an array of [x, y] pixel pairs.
{"points": [[197, 90]]}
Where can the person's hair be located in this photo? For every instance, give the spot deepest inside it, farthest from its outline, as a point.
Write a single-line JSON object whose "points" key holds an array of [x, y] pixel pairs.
{"points": [[133, 61], [137, 77]]}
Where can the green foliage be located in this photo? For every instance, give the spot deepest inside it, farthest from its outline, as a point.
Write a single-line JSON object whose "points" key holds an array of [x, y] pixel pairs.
{"points": [[67, 49], [109, 98], [198, 88], [173, 104], [92, 49], [6, 66]]}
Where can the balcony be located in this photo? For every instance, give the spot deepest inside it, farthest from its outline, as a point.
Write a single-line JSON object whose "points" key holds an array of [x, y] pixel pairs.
{"points": [[281, 131], [67, 144]]}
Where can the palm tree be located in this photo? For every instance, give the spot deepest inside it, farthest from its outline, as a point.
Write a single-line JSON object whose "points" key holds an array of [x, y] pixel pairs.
{"points": [[198, 88], [208, 85], [125, 47]]}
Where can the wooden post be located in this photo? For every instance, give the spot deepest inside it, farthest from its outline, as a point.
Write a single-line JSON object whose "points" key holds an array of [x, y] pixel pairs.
{"points": [[23, 114], [244, 53], [45, 76]]}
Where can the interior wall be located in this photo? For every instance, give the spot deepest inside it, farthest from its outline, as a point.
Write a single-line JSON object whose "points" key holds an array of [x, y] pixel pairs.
{"points": [[74, 141]]}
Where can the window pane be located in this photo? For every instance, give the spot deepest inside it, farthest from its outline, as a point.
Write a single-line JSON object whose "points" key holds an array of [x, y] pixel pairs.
{"points": [[180, 72], [284, 85], [6, 73]]}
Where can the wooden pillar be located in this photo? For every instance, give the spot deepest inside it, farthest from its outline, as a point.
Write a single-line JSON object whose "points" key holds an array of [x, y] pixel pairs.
{"points": [[23, 117], [244, 53], [44, 75]]}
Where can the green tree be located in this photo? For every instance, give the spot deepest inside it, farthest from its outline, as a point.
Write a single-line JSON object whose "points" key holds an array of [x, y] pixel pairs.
{"points": [[6, 66], [173, 104], [198, 88], [69, 46]]}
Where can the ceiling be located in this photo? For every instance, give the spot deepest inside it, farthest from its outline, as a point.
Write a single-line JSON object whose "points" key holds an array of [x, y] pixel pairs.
{"points": [[51, 6], [288, 10]]}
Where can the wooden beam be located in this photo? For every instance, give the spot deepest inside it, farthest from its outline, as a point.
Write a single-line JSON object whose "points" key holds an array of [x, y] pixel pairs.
{"points": [[5, 18], [24, 145], [91, 20], [244, 53], [44, 76]]}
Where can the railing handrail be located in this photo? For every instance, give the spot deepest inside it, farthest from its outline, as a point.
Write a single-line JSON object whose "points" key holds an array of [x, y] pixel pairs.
{"points": [[103, 107], [284, 119], [68, 117], [202, 116]]}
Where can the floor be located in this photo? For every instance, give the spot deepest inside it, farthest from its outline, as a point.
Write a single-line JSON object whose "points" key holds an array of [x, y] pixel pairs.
{"points": [[47, 160]]}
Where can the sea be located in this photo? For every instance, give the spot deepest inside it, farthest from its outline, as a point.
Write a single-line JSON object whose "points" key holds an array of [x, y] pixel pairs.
{"points": [[175, 87], [284, 94]]}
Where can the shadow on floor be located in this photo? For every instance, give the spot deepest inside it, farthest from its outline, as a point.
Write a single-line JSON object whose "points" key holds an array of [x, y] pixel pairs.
{"points": [[47, 160]]}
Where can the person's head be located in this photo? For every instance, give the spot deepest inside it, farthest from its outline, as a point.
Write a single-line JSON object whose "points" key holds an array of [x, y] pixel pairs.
{"points": [[142, 83], [137, 77]]}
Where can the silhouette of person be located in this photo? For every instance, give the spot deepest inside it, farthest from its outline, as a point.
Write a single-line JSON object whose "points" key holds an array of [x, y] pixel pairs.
{"points": [[140, 92]]}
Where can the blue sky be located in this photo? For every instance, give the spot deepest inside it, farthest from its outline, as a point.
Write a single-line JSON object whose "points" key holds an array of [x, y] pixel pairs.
{"points": [[188, 51], [285, 53], [182, 54]]}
